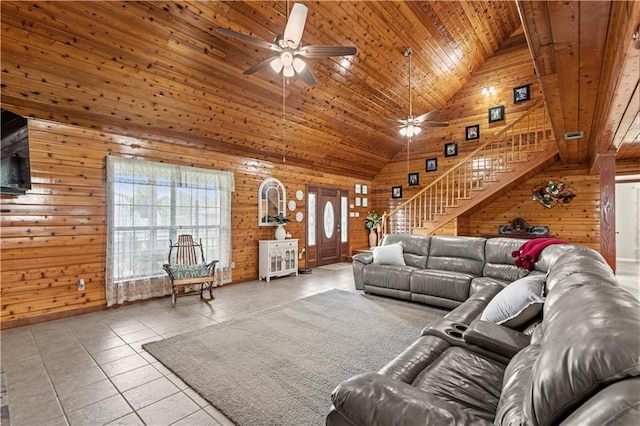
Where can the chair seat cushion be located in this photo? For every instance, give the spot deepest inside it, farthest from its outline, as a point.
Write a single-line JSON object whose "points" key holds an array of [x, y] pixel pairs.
{"points": [[182, 272]]}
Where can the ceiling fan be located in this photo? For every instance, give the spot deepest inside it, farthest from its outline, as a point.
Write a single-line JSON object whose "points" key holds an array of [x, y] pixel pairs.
{"points": [[411, 125], [290, 53]]}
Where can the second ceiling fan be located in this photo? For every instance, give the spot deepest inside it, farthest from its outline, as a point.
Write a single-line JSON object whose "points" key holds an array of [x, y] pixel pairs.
{"points": [[290, 53], [412, 125]]}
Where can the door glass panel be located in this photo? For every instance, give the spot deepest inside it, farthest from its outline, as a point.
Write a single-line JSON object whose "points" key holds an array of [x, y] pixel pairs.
{"points": [[311, 219], [345, 220], [328, 219]]}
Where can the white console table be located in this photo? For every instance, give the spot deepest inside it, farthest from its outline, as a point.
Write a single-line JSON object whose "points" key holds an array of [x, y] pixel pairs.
{"points": [[278, 258]]}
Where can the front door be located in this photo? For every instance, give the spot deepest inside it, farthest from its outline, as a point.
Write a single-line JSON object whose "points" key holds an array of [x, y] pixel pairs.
{"points": [[328, 226]]}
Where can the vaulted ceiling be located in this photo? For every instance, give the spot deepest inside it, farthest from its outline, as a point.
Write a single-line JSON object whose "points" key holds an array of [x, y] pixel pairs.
{"points": [[159, 69]]}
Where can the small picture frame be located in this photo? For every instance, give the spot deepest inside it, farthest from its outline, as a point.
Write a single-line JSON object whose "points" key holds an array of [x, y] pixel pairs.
{"points": [[451, 149], [396, 192], [521, 93], [358, 201], [472, 132], [413, 179], [358, 188], [496, 113], [431, 164], [365, 202], [365, 189]]}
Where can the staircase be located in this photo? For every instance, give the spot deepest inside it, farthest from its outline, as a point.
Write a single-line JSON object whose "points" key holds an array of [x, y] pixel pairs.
{"points": [[523, 145]]}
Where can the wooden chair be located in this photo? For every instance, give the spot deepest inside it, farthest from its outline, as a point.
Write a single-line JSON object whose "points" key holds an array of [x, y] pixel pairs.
{"points": [[185, 269]]}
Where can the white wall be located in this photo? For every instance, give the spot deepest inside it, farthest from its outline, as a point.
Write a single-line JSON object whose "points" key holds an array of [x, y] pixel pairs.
{"points": [[628, 221]]}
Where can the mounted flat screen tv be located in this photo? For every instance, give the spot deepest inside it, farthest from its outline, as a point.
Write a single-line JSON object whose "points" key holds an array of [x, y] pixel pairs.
{"points": [[15, 172]]}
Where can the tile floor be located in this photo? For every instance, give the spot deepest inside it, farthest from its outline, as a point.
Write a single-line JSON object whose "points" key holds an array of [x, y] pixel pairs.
{"points": [[91, 369]]}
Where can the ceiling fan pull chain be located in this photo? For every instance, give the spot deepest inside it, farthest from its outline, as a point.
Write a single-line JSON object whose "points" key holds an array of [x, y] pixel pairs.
{"points": [[284, 121]]}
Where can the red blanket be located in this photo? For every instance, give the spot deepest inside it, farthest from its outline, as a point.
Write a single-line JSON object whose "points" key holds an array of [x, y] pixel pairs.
{"points": [[528, 253]]}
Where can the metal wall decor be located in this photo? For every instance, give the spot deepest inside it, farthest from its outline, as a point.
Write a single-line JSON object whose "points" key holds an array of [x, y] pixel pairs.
{"points": [[550, 194]]}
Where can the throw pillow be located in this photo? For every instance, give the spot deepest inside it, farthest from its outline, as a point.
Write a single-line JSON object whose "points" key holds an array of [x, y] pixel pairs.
{"points": [[181, 272], [388, 255], [517, 303]]}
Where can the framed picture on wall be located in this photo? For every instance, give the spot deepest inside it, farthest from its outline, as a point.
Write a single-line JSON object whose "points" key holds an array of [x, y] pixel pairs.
{"points": [[413, 179], [451, 149], [431, 164], [472, 132], [365, 202], [396, 192], [496, 113], [358, 202], [521, 93], [358, 188], [365, 189]]}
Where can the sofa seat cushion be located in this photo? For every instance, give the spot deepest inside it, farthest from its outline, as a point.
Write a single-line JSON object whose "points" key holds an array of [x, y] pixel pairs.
{"points": [[444, 284], [465, 379], [388, 276]]}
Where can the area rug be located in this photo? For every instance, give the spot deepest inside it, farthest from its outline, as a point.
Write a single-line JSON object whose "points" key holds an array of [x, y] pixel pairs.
{"points": [[279, 366]]}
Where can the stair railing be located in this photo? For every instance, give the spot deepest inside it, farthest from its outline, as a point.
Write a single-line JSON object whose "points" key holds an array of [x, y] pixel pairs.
{"points": [[514, 143]]}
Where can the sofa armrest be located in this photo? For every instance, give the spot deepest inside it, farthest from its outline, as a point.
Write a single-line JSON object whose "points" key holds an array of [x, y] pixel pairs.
{"points": [[360, 260], [495, 338], [474, 305], [374, 399], [365, 258]]}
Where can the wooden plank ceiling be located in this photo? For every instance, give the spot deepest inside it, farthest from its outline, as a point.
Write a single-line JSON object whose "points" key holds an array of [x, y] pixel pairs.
{"points": [[588, 65], [159, 69]]}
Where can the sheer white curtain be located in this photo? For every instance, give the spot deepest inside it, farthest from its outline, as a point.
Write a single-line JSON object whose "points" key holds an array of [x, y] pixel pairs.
{"points": [[149, 204]]}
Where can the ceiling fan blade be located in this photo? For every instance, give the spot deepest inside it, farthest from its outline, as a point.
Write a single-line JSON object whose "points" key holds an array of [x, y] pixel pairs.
{"points": [[426, 116], [307, 76], [397, 126], [260, 65], [327, 51], [397, 120], [434, 124], [248, 39], [295, 25]]}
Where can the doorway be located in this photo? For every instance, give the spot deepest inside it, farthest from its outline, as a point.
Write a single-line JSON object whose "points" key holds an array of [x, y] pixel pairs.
{"points": [[327, 221]]}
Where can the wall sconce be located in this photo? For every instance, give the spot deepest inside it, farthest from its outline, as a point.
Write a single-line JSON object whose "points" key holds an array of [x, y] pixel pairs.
{"points": [[488, 91]]}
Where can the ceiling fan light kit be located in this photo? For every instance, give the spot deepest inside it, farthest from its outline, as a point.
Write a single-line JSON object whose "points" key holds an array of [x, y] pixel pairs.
{"points": [[290, 51]]}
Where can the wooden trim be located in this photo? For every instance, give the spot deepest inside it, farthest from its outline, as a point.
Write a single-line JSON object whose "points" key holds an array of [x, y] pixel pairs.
{"points": [[50, 317], [608, 208]]}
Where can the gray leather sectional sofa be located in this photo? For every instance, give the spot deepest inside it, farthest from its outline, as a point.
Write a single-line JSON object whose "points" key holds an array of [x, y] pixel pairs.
{"points": [[576, 363]]}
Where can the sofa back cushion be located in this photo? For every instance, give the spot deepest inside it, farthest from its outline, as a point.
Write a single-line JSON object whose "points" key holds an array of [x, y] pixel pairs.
{"points": [[590, 339], [459, 254], [415, 248], [499, 262]]}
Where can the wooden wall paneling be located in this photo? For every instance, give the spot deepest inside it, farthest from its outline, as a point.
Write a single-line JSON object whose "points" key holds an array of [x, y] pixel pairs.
{"points": [[55, 234], [629, 166], [505, 70], [577, 222]]}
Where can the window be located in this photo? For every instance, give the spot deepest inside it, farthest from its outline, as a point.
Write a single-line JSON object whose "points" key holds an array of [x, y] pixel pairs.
{"points": [[150, 204], [345, 219], [311, 219]]}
